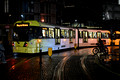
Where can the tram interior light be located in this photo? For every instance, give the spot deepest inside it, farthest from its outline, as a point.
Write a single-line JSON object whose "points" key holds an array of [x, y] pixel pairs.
{"points": [[39, 40]]}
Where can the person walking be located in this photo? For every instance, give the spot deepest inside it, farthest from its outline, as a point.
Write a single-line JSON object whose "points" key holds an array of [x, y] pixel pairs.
{"points": [[2, 55]]}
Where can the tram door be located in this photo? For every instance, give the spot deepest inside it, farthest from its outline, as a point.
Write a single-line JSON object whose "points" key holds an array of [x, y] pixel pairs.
{"points": [[85, 36], [57, 36]]}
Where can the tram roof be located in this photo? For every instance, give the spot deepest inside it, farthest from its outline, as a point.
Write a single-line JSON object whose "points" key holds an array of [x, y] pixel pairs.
{"points": [[39, 24], [30, 22]]}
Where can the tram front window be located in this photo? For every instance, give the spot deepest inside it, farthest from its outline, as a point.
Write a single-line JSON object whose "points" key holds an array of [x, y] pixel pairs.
{"points": [[26, 34], [20, 34]]}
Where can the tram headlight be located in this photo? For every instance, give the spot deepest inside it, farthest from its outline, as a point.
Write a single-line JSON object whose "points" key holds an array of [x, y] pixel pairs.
{"points": [[13, 44]]}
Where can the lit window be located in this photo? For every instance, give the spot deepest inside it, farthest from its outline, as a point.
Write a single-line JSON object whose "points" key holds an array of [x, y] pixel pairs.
{"points": [[57, 33], [94, 35], [6, 6], [51, 33], [98, 34], [45, 32], [90, 35], [80, 34], [105, 35], [62, 33], [67, 33]]}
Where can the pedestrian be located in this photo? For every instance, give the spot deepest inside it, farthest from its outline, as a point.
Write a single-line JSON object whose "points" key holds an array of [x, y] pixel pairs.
{"points": [[2, 50], [101, 45]]}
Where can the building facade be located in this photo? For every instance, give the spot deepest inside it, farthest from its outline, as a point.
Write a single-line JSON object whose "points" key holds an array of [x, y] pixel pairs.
{"points": [[111, 11], [40, 10]]}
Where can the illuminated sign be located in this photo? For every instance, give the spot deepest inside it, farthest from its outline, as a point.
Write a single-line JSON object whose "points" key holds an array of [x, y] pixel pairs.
{"points": [[22, 25]]}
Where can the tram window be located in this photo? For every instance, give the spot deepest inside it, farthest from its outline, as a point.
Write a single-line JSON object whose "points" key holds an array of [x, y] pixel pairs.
{"points": [[35, 32], [67, 33], [20, 34], [90, 35], [64, 33], [45, 32], [105, 35], [80, 34], [73, 34], [51, 33], [98, 34], [117, 36], [25, 34], [94, 35], [57, 33], [57, 36]]}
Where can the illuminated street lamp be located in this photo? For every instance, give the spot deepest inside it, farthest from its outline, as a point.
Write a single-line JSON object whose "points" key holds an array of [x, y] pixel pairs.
{"points": [[22, 16], [42, 20]]}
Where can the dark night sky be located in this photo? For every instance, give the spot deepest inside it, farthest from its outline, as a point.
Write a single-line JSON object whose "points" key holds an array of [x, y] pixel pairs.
{"points": [[85, 10]]}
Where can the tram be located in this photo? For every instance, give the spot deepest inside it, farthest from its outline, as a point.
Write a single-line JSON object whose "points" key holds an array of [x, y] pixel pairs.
{"points": [[31, 36]]}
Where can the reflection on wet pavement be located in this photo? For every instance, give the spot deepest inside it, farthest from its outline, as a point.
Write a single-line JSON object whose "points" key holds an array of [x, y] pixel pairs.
{"points": [[112, 60], [29, 68], [113, 54]]}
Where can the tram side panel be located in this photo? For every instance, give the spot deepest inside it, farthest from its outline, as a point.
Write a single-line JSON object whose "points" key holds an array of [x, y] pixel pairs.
{"points": [[89, 37], [91, 42], [64, 44], [50, 43], [30, 46]]}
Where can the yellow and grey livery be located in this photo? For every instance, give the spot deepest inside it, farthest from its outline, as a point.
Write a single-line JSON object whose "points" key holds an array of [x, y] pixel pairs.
{"points": [[53, 36]]}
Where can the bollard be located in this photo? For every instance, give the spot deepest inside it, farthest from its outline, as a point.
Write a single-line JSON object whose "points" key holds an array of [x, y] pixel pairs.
{"points": [[75, 46], [50, 52]]}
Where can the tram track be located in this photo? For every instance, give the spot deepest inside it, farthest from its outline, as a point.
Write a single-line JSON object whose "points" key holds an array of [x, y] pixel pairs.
{"points": [[82, 60], [59, 69]]}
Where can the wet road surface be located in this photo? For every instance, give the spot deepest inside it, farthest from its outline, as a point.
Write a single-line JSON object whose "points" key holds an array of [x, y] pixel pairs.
{"points": [[68, 65]]}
